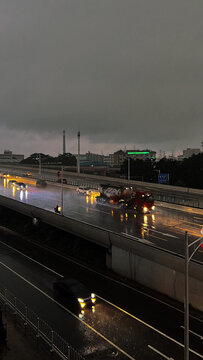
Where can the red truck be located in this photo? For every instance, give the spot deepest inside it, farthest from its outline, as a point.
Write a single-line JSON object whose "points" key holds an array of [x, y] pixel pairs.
{"points": [[125, 198]]}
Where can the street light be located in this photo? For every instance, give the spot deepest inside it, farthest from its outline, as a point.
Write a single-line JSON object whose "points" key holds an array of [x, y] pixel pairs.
{"points": [[40, 166], [61, 190], [128, 168], [188, 255]]}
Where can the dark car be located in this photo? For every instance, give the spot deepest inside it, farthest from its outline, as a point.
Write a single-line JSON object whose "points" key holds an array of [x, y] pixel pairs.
{"points": [[73, 294], [20, 185], [12, 182], [41, 183]]}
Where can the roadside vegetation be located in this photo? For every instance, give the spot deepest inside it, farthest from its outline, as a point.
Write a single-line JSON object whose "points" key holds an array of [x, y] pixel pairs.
{"points": [[187, 173]]}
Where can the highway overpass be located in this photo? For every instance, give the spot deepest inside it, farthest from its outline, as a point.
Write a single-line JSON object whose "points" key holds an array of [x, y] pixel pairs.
{"points": [[167, 193], [147, 249]]}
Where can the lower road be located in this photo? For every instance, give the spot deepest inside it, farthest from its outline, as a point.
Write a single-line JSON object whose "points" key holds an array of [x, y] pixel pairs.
{"points": [[126, 323], [164, 228]]}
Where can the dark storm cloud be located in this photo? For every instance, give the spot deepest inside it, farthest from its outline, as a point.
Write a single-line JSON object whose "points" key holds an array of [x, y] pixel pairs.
{"points": [[118, 70]]}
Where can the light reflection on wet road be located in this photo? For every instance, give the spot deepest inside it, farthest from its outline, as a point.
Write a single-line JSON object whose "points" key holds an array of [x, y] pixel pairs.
{"points": [[164, 228], [129, 334]]}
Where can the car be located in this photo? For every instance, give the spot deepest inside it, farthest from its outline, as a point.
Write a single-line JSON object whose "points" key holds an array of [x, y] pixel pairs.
{"points": [[93, 192], [73, 294], [12, 182], [83, 190], [41, 183], [20, 185], [29, 174]]}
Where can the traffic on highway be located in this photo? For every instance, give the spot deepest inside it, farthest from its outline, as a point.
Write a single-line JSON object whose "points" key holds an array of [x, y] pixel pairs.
{"points": [[110, 318], [126, 323], [163, 227]]}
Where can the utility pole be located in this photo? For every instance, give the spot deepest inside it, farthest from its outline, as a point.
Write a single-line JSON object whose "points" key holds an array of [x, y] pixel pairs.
{"points": [[40, 166], [188, 256], [64, 142], [186, 302], [61, 190], [78, 160], [128, 168]]}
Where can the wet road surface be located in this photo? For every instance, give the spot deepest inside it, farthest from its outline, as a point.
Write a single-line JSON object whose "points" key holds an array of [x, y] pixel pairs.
{"points": [[164, 228], [134, 326]]}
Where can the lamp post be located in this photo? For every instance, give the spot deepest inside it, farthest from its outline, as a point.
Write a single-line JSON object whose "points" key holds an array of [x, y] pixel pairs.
{"points": [[40, 166], [128, 168], [78, 159], [61, 190], [188, 255]]}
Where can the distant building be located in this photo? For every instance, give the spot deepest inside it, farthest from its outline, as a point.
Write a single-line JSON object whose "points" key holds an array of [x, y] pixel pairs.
{"points": [[141, 154], [189, 152], [95, 158], [109, 160], [89, 159], [8, 156], [119, 157]]}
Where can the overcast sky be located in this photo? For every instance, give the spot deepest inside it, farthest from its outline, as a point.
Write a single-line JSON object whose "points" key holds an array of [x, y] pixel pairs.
{"points": [[123, 72]]}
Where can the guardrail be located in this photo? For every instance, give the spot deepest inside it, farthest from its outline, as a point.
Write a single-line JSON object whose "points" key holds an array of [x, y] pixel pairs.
{"points": [[182, 196], [173, 199], [55, 342]]}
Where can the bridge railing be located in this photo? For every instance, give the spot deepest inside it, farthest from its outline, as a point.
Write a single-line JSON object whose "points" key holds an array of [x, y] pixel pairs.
{"points": [[167, 196], [173, 199], [42, 330]]}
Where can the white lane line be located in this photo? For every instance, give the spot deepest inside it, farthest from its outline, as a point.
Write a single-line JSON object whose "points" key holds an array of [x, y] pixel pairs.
{"points": [[92, 209], [117, 281], [35, 261], [149, 326], [68, 311], [198, 218], [158, 237], [137, 239], [86, 214], [165, 234], [194, 333], [159, 352]]}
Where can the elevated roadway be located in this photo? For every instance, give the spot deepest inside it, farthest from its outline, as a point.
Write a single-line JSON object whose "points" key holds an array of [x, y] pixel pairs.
{"points": [[164, 228], [126, 323], [147, 249], [167, 193]]}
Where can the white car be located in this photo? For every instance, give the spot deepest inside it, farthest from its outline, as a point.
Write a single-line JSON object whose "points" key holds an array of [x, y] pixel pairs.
{"points": [[82, 190]]}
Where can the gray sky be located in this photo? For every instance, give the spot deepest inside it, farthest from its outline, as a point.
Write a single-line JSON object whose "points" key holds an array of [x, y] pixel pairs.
{"points": [[124, 72]]}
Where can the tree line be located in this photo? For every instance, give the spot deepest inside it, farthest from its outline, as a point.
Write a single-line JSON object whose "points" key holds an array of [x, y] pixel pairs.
{"points": [[186, 173], [63, 159]]}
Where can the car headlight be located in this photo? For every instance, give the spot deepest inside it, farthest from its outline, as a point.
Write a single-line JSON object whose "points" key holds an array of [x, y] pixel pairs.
{"points": [[145, 209], [81, 302], [93, 298], [153, 207]]}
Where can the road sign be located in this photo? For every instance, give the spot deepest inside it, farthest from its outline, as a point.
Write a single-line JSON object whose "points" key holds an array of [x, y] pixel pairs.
{"points": [[162, 178]]}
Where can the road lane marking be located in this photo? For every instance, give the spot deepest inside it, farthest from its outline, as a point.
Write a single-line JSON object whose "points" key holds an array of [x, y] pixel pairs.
{"points": [[165, 234], [149, 326], [190, 231], [68, 311], [86, 214], [116, 281], [159, 352], [35, 261], [198, 218], [137, 239], [157, 237], [194, 333], [93, 209]]}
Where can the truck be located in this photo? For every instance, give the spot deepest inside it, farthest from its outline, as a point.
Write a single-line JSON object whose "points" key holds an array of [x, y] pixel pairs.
{"points": [[125, 198]]}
